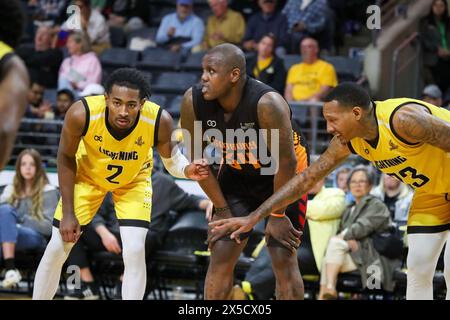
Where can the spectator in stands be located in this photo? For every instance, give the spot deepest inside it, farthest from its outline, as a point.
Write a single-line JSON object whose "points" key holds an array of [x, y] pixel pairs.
{"points": [[93, 24], [42, 60], [26, 212], [268, 20], [225, 25], [81, 68], [310, 80], [305, 18], [130, 15], [64, 99], [37, 107], [325, 208], [266, 66], [432, 94], [341, 181], [352, 249], [396, 195], [181, 30], [324, 213], [435, 38], [48, 12], [103, 233]]}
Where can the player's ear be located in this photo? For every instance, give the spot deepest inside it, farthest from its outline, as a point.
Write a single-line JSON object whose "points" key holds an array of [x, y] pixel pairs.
{"points": [[357, 112], [235, 75]]}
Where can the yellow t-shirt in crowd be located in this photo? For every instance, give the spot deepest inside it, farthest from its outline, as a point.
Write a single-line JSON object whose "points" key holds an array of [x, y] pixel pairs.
{"points": [[308, 78], [232, 26]]}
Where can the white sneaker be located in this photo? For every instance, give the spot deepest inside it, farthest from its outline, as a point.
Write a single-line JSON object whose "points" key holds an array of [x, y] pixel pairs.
{"points": [[12, 278]]}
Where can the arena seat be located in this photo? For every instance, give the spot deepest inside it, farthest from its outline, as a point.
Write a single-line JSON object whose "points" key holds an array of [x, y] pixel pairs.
{"points": [[159, 59], [193, 62], [174, 82], [117, 36], [118, 57]]}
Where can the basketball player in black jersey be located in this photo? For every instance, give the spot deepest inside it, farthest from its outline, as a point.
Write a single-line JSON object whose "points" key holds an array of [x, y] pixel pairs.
{"points": [[228, 99], [13, 76]]}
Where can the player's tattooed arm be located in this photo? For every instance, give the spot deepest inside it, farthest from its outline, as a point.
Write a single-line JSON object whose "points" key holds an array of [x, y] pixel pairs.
{"points": [[274, 115], [415, 124], [210, 185], [335, 154]]}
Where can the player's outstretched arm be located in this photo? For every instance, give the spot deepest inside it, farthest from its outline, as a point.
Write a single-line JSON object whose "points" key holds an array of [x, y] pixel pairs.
{"points": [[292, 191], [210, 185], [13, 103], [72, 131], [415, 124], [274, 116], [175, 162]]}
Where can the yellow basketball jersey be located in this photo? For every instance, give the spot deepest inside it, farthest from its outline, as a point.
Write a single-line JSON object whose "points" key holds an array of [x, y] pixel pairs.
{"points": [[110, 162], [422, 166], [5, 52]]}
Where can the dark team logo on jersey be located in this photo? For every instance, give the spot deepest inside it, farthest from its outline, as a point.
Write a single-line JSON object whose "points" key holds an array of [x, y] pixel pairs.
{"points": [[392, 146], [98, 138], [140, 141]]}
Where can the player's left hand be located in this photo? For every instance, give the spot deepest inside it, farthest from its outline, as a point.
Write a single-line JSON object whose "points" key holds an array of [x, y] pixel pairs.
{"points": [[198, 170], [282, 230], [235, 226]]}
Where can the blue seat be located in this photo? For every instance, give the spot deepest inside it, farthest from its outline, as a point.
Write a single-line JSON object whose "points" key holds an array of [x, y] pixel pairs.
{"points": [[193, 62], [119, 57], [174, 82], [159, 59], [347, 69], [159, 99]]}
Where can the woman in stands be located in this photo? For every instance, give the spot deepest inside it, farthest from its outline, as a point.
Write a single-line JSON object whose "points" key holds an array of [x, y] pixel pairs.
{"points": [[266, 66], [396, 195], [352, 248], [26, 212], [81, 68]]}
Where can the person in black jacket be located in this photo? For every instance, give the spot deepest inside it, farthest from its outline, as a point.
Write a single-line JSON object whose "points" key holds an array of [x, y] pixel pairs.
{"points": [[42, 60], [266, 66], [103, 232]]}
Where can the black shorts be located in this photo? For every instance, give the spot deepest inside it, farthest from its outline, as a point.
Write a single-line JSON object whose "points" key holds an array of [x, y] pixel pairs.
{"points": [[241, 207]]}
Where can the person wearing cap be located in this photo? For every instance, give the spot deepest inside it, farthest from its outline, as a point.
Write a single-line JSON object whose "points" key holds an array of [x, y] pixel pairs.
{"points": [[432, 94], [268, 20], [181, 30]]}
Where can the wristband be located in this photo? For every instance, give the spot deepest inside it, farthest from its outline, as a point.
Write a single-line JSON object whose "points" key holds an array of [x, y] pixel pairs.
{"points": [[278, 215]]}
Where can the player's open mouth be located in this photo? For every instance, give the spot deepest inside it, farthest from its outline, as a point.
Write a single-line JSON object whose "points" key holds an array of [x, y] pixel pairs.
{"points": [[204, 89], [122, 122]]}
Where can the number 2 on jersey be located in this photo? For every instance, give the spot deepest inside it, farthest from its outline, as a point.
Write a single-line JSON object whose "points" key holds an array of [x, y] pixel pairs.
{"points": [[111, 167]]}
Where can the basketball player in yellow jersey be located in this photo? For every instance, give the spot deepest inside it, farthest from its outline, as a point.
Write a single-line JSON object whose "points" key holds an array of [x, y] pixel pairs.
{"points": [[107, 145], [13, 77], [405, 138]]}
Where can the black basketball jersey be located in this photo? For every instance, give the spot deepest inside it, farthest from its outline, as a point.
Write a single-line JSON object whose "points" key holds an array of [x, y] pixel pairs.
{"points": [[240, 170]]}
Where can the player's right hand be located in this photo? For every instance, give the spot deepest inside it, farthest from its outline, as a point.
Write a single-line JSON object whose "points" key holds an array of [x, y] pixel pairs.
{"points": [[69, 228]]}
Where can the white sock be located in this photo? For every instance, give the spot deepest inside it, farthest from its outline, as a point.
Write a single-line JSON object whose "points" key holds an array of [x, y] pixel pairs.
{"points": [[423, 254], [49, 271], [133, 252], [447, 267]]}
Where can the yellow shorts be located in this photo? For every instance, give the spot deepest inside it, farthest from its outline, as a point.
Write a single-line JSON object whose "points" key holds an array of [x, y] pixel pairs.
{"points": [[132, 202], [429, 213]]}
